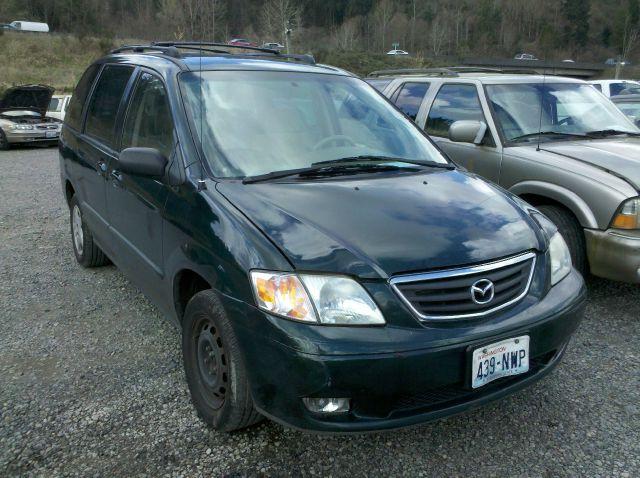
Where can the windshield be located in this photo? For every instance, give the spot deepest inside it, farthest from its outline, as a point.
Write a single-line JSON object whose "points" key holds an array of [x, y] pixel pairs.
{"points": [[567, 108], [257, 122], [55, 104]]}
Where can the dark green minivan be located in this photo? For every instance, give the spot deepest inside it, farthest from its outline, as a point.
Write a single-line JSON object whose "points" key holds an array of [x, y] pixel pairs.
{"points": [[328, 266]]}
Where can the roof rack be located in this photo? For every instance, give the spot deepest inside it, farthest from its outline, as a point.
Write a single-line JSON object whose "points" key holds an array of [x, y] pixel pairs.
{"points": [[172, 49], [449, 71], [415, 71]]}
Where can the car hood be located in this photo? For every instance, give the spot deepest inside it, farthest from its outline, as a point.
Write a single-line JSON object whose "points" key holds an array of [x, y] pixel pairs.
{"points": [[27, 97], [378, 226], [618, 156]]}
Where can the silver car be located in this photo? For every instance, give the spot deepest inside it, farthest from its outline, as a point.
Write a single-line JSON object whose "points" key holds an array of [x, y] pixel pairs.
{"points": [[576, 158], [23, 116]]}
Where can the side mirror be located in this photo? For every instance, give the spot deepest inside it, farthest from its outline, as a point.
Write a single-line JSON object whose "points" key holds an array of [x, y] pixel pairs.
{"points": [[467, 131], [142, 162]]}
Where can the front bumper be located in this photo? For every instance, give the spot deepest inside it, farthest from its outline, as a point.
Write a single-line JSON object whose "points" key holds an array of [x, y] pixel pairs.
{"points": [[31, 136], [614, 254], [418, 382]]}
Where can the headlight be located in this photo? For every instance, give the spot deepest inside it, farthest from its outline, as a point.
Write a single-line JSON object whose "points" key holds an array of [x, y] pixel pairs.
{"points": [[628, 216], [21, 127], [560, 258], [331, 300]]}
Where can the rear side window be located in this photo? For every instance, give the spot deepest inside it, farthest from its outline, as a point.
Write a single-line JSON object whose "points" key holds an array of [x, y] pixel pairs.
{"points": [[73, 117], [410, 97], [616, 88], [453, 103], [103, 107], [597, 86], [149, 123]]}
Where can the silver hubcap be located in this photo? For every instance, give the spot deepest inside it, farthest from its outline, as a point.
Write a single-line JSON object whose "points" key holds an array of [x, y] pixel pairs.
{"points": [[76, 224]]}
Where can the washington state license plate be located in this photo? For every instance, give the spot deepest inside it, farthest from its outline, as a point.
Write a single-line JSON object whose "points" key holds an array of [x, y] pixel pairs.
{"points": [[501, 359]]}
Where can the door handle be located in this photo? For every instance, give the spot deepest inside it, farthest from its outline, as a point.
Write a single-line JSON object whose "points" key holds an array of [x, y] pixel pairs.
{"points": [[102, 165], [116, 175]]}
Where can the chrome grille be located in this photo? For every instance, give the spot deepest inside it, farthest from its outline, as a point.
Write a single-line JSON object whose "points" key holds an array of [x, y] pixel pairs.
{"points": [[448, 294]]}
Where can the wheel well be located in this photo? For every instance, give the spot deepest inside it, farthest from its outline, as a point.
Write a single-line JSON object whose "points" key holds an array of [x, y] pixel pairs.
{"points": [[187, 284], [537, 200], [68, 191]]}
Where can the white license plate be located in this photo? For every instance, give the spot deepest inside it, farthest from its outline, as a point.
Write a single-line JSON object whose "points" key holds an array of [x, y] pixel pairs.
{"points": [[501, 359], [51, 134]]}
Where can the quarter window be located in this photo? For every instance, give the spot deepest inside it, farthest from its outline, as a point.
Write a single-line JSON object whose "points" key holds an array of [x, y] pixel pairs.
{"points": [[73, 117], [103, 108], [149, 123], [410, 98], [453, 103]]}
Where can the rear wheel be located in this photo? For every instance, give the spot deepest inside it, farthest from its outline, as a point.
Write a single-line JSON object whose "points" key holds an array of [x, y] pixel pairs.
{"points": [[572, 233], [87, 253], [215, 372]]}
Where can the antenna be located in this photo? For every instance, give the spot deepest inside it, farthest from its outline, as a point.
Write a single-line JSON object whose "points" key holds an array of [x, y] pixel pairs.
{"points": [[544, 80]]}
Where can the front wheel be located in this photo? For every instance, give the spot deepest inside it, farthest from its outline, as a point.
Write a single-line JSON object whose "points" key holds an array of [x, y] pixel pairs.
{"points": [[572, 233], [214, 368], [4, 143]]}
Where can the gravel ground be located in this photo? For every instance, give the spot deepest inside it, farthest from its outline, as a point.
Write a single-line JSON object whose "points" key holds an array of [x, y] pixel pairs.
{"points": [[91, 381]]}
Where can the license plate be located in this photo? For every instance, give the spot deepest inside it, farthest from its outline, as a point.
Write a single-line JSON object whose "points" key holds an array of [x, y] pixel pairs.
{"points": [[51, 134], [501, 359]]}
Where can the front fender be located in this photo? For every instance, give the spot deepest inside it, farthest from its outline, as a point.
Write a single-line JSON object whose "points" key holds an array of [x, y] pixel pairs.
{"points": [[564, 196]]}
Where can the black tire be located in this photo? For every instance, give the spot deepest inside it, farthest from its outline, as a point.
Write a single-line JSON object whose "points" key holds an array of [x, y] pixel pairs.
{"points": [[572, 233], [214, 367], [4, 144], [88, 254]]}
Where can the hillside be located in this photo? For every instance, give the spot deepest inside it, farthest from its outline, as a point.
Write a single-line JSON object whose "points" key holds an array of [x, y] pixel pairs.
{"points": [[59, 60], [56, 60]]}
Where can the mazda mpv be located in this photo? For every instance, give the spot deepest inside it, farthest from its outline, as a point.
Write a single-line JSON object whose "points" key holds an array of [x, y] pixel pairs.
{"points": [[328, 266]]}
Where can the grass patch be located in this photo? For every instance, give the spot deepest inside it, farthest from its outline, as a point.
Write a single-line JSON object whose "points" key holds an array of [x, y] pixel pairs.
{"points": [[50, 59], [363, 63]]}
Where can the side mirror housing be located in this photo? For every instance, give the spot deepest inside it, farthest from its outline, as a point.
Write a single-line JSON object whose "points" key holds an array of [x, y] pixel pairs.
{"points": [[467, 131], [147, 162]]}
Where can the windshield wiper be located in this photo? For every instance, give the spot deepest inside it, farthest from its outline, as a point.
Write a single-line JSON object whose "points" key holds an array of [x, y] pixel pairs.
{"points": [[611, 132], [367, 158], [548, 133], [342, 165]]}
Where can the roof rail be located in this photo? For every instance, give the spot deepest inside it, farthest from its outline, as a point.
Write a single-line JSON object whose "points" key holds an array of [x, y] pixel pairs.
{"points": [[171, 48], [415, 71], [169, 51]]}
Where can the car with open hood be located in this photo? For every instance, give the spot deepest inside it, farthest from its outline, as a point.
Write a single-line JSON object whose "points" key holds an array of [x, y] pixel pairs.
{"points": [[555, 142], [328, 266], [23, 116]]}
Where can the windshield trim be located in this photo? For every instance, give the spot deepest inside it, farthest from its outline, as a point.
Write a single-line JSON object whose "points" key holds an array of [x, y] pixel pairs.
{"points": [[192, 127], [506, 143]]}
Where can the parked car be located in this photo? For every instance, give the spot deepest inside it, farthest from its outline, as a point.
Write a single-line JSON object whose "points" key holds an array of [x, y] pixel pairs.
{"points": [[34, 27], [629, 105], [5, 26], [524, 56], [613, 88], [273, 46], [241, 42], [397, 52], [58, 106], [577, 162], [331, 250], [23, 117]]}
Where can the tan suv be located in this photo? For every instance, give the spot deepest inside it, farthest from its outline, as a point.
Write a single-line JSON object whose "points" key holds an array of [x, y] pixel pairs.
{"points": [[577, 158]]}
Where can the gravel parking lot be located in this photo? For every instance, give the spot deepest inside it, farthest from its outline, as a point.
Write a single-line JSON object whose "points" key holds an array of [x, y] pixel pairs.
{"points": [[91, 380]]}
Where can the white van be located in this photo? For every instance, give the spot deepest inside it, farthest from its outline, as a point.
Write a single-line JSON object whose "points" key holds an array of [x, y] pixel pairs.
{"points": [[29, 26]]}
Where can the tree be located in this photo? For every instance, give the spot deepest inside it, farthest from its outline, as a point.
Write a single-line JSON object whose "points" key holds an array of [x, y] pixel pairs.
{"points": [[576, 13], [280, 20], [382, 15]]}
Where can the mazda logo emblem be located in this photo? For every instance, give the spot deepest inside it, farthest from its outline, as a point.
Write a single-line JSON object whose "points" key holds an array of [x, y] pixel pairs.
{"points": [[482, 291]]}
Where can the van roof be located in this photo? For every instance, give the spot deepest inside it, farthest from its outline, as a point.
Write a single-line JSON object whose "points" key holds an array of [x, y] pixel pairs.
{"points": [[196, 56]]}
